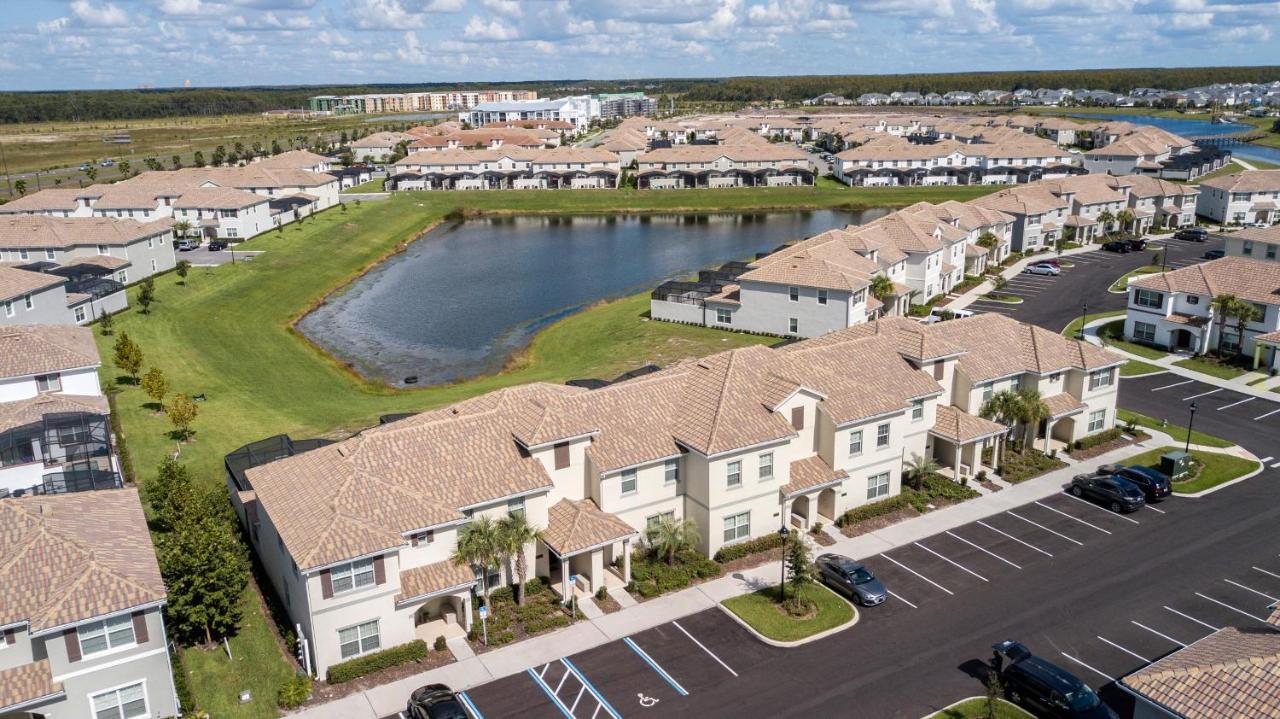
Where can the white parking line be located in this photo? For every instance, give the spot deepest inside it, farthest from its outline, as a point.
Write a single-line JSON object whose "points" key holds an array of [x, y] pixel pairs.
{"points": [[1010, 536], [1100, 509], [1188, 616], [581, 690], [1270, 574], [1069, 516], [1234, 609], [1273, 466], [1202, 394], [918, 574], [1050, 531], [1133, 654], [1268, 414], [1266, 459], [1175, 384], [1251, 589], [1233, 404], [948, 561], [900, 599], [703, 647], [1153, 509], [983, 549], [1158, 634], [1086, 666]]}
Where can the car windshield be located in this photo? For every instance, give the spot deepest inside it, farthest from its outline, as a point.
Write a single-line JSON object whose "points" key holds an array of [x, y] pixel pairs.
{"points": [[1082, 699], [858, 575], [447, 710]]}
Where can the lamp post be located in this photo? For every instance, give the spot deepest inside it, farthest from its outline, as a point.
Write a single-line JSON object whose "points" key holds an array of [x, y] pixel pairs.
{"points": [[1084, 315], [1187, 446], [784, 532]]}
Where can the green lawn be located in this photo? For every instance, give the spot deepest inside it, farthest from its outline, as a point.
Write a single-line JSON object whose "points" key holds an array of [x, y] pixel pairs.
{"points": [[1134, 368], [1226, 169], [1209, 367], [760, 610], [1112, 334], [1123, 416], [976, 708], [1121, 284], [1001, 297], [1218, 468], [1072, 329], [374, 185]]}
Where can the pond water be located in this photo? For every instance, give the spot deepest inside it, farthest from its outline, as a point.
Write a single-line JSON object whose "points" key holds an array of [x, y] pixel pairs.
{"points": [[1192, 127], [462, 299]]}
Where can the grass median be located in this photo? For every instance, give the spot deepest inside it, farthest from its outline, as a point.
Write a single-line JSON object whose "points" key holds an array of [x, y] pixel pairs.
{"points": [[1137, 368], [976, 708], [761, 610], [1073, 328], [1124, 416], [1211, 368], [1214, 468]]}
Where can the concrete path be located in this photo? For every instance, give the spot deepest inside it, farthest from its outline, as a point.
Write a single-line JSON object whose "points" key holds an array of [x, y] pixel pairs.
{"points": [[1243, 163], [589, 609], [460, 648]]}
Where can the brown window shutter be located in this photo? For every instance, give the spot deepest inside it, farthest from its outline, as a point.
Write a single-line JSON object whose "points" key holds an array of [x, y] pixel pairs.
{"points": [[140, 628], [797, 417], [413, 540], [9, 636], [938, 370], [431, 536], [562, 455], [72, 639], [326, 584], [379, 571]]}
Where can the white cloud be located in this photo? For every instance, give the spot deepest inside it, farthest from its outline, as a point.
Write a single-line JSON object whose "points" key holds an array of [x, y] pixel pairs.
{"points": [[495, 29], [55, 25], [444, 6], [510, 8], [384, 15], [106, 15], [411, 52]]}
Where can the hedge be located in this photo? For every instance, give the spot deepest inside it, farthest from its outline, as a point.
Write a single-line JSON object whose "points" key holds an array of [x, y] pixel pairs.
{"points": [[752, 546], [1097, 438], [376, 662], [907, 498], [294, 692], [937, 486]]}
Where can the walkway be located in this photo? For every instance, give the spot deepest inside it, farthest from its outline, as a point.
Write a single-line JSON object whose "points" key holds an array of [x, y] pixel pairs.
{"points": [[505, 661]]}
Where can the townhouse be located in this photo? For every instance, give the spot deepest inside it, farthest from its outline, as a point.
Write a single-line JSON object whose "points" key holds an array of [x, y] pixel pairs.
{"points": [[1038, 214], [894, 161], [487, 138], [54, 433], [379, 146], [81, 602], [741, 443], [1146, 150], [729, 165], [503, 168], [1257, 243], [1241, 198], [1175, 310], [578, 110]]}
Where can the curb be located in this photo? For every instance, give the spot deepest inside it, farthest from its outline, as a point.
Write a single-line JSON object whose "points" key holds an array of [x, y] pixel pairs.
{"points": [[1224, 485], [798, 642], [1002, 701]]}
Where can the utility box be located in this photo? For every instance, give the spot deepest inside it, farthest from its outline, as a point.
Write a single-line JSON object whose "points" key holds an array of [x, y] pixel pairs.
{"points": [[1175, 464]]}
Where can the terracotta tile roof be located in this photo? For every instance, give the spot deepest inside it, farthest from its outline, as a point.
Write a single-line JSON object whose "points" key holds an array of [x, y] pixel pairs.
{"points": [[76, 298], [1269, 338], [42, 232], [105, 261], [734, 151], [574, 526], [39, 349], [1248, 279], [721, 409], [429, 579], [956, 425], [1229, 674], [811, 473], [23, 412], [15, 283], [71, 557], [27, 683], [1063, 404], [217, 198], [54, 198], [1246, 181], [1267, 235], [823, 261], [997, 346], [381, 139], [295, 159]]}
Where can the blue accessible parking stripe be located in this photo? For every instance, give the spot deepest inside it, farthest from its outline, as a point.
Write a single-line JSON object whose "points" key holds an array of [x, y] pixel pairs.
{"points": [[550, 694], [591, 688], [661, 672], [471, 706]]}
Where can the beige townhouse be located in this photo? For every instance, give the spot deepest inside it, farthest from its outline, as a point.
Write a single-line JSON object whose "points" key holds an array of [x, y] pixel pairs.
{"points": [[725, 165], [507, 168]]}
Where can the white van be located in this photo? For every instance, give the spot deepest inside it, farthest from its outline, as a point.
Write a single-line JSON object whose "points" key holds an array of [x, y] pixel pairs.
{"points": [[942, 314]]}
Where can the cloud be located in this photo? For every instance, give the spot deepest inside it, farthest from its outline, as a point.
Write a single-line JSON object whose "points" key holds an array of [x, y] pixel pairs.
{"points": [[105, 15], [411, 52], [478, 29], [55, 25], [384, 15], [510, 8]]}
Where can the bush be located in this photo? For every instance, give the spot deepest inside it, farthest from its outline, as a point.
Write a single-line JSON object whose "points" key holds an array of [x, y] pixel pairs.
{"points": [[294, 692], [441, 644], [368, 664], [816, 528], [938, 487], [752, 546], [602, 594], [908, 498], [497, 639], [1097, 438], [553, 621], [535, 586]]}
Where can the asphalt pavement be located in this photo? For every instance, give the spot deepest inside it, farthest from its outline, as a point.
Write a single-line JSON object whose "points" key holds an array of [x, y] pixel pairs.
{"points": [[1250, 421]]}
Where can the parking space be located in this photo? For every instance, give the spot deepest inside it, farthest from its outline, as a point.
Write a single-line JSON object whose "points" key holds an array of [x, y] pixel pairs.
{"points": [[1253, 421]]}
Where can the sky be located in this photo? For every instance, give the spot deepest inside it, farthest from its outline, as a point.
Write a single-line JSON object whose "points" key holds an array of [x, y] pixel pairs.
{"points": [[68, 44]]}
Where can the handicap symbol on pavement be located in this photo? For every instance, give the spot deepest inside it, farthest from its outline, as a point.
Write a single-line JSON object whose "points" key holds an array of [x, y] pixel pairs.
{"points": [[647, 701]]}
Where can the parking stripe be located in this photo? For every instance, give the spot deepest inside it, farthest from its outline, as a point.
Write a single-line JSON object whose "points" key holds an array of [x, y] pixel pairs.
{"points": [[1188, 616], [1071, 516], [1157, 510], [1268, 414], [918, 574], [1086, 666], [1010, 536], [703, 647], [1050, 531], [1277, 464], [1250, 589], [1135, 655], [1175, 384], [537, 679], [599, 697], [1234, 609], [900, 599], [1233, 404], [661, 672], [983, 549], [471, 706], [948, 561], [1203, 394], [1158, 634], [1268, 458], [1270, 574], [1100, 509], [581, 690]]}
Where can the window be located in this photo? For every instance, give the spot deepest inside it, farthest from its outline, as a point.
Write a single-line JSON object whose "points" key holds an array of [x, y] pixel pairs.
{"points": [[352, 576], [855, 443], [793, 325], [360, 639], [227, 213], [153, 265], [671, 471], [122, 277], [655, 520], [917, 410], [939, 370], [1148, 298], [515, 507], [79, 315], [737, 527], [28, 302], [734, 474], [1097, 420], [1271, 252], [628, 484], [8, 308], [232, 232], [102, 250], [1246, 248], [724, 317], [882, 435], [766, 466], [50, 254], [1193, 299], [794, 293], [123, 703], [1144, 332], [1055, 377], [988, 390], [822, 297], [878, 485], [22, 255], [49, 383], [112, 633], [1101, 378]]}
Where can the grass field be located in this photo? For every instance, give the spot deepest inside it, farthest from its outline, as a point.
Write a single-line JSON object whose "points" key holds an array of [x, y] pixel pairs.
{"points": [[976, 708], [1218, 468], [1122, 284], [374, 185], [1073, 327], [1123, 416], [760, 610], [1134, 368], [1211, 368]]}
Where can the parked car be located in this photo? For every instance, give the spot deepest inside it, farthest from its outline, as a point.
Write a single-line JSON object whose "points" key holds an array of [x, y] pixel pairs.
{"points": [[1137, 243], [85, 167], [1215, 254], [1115, 493], [1044, 688], [188, 243], [1194, 234], [851, 578], [1121, 246], [216, 245], [435, 701], [942, 314], [1260, 224], [1153, 483], [1043, 268], [107, 163]]}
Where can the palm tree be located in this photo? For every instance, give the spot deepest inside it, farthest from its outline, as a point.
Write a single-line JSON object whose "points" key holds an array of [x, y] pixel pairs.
{"points": [[477, 547], [987, 240], [917, 468], [1033, 409], [1105, 218], [181, 228], [881, 287], [20, 187], [1228, 305], [669, 537], [1124, 217], [514, 533]]}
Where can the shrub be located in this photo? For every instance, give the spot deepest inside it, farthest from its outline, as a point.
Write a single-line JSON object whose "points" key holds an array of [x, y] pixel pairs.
{"points": [[751, 546], [938, 487], [294, 692], [908, 498], [648, 591], [537, 585], [982, 475], [602, 594], [816, 528], [1098, 438], [392, 657], [501, 594], [441, 644], [554, 621], [497, 639]]}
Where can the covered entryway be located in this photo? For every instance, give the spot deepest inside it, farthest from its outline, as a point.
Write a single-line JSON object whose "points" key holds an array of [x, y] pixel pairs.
{"points": [[811, 493], [959, 441], [439, 595], [1060, 428], [584, 544]]}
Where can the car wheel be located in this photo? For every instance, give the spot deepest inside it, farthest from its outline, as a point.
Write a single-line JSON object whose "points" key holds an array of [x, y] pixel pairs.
{"points": [[1015, 697], [1075, 489], [1115, 507]]}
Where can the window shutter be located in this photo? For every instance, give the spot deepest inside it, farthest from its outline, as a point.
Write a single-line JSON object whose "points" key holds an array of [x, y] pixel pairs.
{"points": [[413, 539], [140, 628], [797, 417], [8, 636], [938, 369], [72, 639], [379, 571], [562, 455], [326, 584]]}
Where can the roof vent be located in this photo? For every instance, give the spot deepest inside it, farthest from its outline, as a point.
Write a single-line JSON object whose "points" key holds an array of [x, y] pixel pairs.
{"points": [[342, 450]]}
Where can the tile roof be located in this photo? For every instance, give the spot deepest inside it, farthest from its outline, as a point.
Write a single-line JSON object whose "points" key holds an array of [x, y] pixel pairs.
{"points": [[733, 151], [1063, 404], [71, 557], [23, 412], [1248, 279], [27, 683], [40, 349], [1245, 181], [218, 198], [811, 473], [1229, 674], [15, 283], [429, 579], [574, 526], [956, 425], [998, 346], [43, 232], [1268, 235]]}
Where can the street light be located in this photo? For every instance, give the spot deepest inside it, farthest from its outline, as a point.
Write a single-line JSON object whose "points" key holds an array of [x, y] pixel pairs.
{"points": [[1187, 447], [1084, 315], [784, 532]]}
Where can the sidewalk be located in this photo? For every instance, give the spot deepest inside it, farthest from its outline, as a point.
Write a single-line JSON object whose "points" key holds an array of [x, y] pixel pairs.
{"points": [[390, 698]]}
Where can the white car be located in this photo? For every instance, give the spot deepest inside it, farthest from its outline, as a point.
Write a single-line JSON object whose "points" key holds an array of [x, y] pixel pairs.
{"points": [[1043, 268]]}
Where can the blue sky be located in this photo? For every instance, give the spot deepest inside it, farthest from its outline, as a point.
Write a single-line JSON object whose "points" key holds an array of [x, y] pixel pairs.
{"points": [[61, 44]]}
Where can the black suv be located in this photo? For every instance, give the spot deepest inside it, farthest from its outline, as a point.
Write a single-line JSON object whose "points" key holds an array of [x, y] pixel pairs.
{"points": [[1121, 246], [435, 701], [216, 245], [1195, 234], [1046, 689], [1153, 483], [1116, 493]]}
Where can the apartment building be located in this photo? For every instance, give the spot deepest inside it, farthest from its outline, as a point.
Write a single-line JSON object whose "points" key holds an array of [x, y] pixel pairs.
{"points": [[1174, 310], [379, 146], [715, 166], [81, 602], [490, 138], [579, 110], [894, 161], [1038, 214], [414, 101], [1241, 198], [1255, 243], [740, 442], [507, 168], [1147, 150]]}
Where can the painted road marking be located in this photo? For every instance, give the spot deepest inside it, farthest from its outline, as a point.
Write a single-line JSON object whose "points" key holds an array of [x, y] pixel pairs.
{"points": [[1268, 458], [1148, 506], [1188, 616], [1268, 414], [1071, 516], [471, 706], [983, 549], [1019, 541], [1086, 666], [1251, 589], [1050, 531], [948, 561], [1277, 464], [900, 599], [918, 574], [581, 690], [661, 672], [594, 692], [1233, 404], [1158, 634], [703, 647], [1202, 394], [1087, 503], [1270, 574], [1135, 655], [1175, 384], [1234, 609], [537, 679]]}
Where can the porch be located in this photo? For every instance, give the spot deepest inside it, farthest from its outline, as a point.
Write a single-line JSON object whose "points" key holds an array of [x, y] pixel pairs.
{"points": [[810, 495], [584, 549], [1060, 428], [439, 595], [958, 442]]}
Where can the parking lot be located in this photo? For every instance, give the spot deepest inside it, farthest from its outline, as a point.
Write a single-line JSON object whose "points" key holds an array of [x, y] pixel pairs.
{"points": [[1252, 422]]}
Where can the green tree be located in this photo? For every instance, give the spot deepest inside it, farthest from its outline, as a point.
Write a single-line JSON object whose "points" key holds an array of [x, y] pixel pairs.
{"points": [[181, 228], [182, 268], [514, 534], [478, 548], [799, 570], [1032, 410], [91, 173], [146, 294], [995, 691], [1227, 306], [168, 494], [198, 159], [1124, 217], [177, 162], [156, 385], [20, 187], [917, 468], [128, 356], [987, 240], [205, 568], [1105, 218], [182, 411], [106, 324], [124, 168], [881, 287], [668, 537]]}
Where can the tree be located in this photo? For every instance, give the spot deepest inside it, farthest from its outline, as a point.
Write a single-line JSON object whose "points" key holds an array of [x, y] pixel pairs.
{"points": [[1105, 218], [128, 356], [514, 534], [987, 240], [275, 147], [20, 187], [124, 168], [799, 569], [999, 282], [668, 537], [91, 173], [1226, 306], [917, 468], [182, 268], [205, 568], [155, 385], [105, 324], [181, 228], [168, 494], [182, 411], [146, 294], [1124, 217], [1033, 409], [881, 287], [995, 690], [198, 159], [177, 162], [477, 547]]}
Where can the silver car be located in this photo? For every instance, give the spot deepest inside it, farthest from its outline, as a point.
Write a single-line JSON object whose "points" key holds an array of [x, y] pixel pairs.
{"points": [[851, 578], [1043, 268]]}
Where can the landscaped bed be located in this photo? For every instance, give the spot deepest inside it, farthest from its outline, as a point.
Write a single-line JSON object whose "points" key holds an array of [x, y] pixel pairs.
{"points": [[976, 708], [509, 622], [1210, 469], [1019, 467], [1102, 442], [651, 575], [1125, 416], [1212, 366], [1112, 333], [766, 615], [430, 656], [935, 493]]}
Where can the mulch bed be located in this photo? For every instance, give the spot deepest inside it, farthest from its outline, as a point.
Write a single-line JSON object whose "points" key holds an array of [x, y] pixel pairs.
{"points": [[822, 538], [608, 605], [870, 525], [991, 486], [1117, 443], [322, 691], [751, 561]]}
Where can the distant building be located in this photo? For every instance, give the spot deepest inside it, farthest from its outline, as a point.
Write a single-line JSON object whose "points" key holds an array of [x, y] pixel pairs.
{"points": [[413, 101], [625, 104], [1251, 196], [579, 110]]}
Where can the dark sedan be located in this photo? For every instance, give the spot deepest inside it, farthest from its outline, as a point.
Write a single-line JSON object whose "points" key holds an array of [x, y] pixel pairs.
{"points": [[1120, 246], [1115, 493], [851, 578], [1194, 234], [435, 701], [1153, 483]]}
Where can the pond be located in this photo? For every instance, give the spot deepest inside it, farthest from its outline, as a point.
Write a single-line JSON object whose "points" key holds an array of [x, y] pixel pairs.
{"points": [[464, 297], [1193, 127]]}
